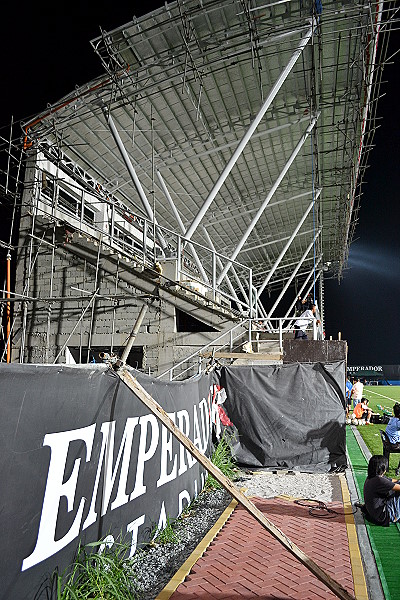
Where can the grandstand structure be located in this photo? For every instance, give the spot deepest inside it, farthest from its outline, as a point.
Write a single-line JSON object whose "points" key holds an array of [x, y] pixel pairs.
{"points": [[211, 175]]}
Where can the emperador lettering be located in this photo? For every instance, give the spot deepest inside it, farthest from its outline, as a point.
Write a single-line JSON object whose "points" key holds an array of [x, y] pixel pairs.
{"points": [[113, 467]]}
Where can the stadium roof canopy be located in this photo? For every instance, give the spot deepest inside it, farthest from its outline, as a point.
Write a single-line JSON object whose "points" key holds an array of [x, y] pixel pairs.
{"points": [[250, 119]]}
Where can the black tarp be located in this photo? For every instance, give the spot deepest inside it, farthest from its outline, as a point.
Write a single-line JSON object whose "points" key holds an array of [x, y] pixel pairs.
{"points": [[287, 415], [54, 423]]}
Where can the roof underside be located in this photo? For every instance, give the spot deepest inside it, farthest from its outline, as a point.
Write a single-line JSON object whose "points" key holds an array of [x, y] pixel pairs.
{"points": [[184, 83]]}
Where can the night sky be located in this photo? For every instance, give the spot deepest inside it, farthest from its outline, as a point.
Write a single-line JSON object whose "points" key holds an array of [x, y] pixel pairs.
{"points": [[45, 53]]}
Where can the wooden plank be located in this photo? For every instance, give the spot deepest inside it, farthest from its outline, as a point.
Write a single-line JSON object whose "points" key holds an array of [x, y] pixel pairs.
{"points": [[159, 412]]}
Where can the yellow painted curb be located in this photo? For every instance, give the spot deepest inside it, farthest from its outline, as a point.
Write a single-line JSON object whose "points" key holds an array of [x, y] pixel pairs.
{"points": [[184, 570], [360, 586]]}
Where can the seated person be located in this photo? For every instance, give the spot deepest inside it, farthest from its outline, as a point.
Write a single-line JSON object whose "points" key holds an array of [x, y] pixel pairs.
{"points": [[361, 410], [393, 427], [381, 494]]}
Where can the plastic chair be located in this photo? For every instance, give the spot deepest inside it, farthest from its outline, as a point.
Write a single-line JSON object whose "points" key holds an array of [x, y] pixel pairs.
{"points": [[389, 448]]}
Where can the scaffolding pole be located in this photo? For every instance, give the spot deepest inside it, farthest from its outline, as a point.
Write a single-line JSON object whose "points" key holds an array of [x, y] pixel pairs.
{"points": [[8, 309]]}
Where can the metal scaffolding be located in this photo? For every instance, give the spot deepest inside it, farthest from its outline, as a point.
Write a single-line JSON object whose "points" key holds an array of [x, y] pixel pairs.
{"points": [[184, 167]]}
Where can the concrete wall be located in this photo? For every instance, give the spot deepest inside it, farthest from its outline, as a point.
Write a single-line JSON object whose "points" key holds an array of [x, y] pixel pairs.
{"points": [[56, 272]]}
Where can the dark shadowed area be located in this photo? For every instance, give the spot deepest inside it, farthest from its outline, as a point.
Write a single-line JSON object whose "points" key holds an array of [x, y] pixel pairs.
{"points": [[365, 305]]}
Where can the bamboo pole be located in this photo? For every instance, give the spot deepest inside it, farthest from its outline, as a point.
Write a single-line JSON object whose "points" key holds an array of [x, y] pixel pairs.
{"points": [[159, 412]]}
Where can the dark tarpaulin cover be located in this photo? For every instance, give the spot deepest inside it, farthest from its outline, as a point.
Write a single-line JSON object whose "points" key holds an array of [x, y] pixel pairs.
{"points": [[287, 415]]}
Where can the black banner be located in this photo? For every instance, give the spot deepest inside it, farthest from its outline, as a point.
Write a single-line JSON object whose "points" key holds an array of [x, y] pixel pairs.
{"points": [[82, 458], [385, 373]]}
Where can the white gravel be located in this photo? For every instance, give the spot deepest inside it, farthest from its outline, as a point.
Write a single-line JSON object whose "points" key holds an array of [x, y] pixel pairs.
{"points": [[266, 484]]}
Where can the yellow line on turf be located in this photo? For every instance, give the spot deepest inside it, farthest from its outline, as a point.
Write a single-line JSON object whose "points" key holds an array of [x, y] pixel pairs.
{"points": [[185, 569], [360, 586]]}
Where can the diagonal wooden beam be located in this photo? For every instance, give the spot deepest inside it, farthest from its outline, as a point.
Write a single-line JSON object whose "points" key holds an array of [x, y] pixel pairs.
{"points": [[159, 412]]}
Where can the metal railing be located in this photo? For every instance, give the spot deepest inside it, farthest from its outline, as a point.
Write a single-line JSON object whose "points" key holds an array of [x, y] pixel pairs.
{"points": [[134, 238], [246, 331]]}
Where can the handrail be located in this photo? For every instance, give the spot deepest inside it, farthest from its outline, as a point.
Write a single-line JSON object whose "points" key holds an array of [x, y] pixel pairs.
{"points": [[197, 352], [139, 229], [248, 326]]}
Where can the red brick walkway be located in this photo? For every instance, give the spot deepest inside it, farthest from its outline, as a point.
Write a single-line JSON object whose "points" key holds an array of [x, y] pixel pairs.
{"points": [[244, 561]]}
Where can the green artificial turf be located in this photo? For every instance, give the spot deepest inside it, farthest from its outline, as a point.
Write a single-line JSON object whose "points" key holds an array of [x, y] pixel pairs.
{"points": [[380, 397], [385, 541]]}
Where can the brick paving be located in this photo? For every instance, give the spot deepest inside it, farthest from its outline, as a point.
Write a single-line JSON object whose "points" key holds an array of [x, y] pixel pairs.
{"points": [[244, 561]]}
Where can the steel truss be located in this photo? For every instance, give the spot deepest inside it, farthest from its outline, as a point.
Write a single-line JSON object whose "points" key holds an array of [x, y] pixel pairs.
{"points": [[192, 146]]}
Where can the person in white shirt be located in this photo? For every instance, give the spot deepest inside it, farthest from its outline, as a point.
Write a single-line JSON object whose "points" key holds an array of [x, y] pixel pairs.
{"points": [[305, 321], [357, 392]]}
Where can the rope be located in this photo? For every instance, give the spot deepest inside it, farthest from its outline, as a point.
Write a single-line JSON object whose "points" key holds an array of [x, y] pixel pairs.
{"points": [[317, 508]]}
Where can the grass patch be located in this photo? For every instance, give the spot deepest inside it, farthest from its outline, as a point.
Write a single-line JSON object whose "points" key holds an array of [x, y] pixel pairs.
{"points": [[105, 574], [385, 396], [380, 396], [167, 535], [221, 458], [371, 436]]}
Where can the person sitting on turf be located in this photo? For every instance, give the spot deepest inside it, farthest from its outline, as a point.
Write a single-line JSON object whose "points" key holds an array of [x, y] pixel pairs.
{"points": [[381, 494], [393, 427], [362, 410]]}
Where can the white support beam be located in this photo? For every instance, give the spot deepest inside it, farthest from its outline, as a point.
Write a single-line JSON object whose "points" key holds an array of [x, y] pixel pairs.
{"points": [[132, 173], [181, 225], [284, 279], [287, 245], [286, 266], [293, 275], [270, 195], [272, 242], [218, 149], [242, 144], [253, 210], [236, 276]]}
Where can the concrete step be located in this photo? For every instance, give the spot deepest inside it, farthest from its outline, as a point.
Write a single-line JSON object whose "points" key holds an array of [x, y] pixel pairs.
{"points": [[263, 346]]}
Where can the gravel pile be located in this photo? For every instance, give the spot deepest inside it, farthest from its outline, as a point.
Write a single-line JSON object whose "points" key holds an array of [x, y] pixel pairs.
{"points": [[156, 565], [266, 484]]}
